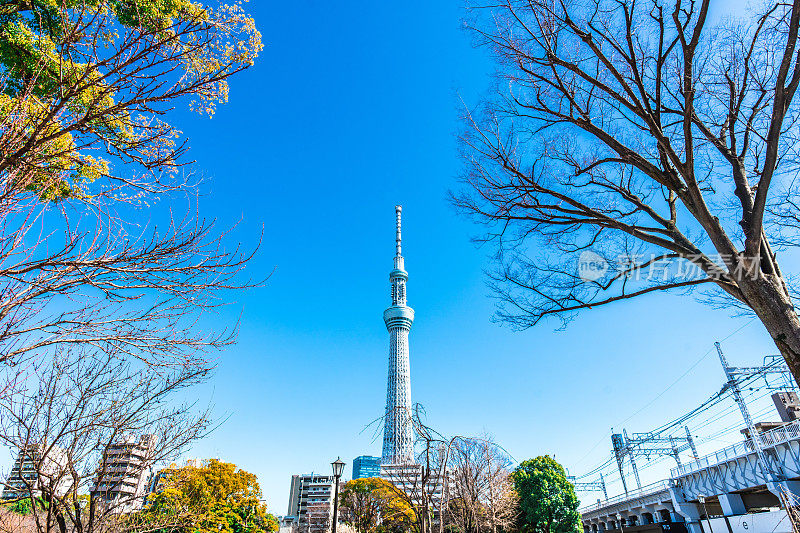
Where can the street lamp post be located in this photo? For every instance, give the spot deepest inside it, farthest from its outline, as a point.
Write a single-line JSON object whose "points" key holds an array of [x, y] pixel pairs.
{"points": [[338, 467]]}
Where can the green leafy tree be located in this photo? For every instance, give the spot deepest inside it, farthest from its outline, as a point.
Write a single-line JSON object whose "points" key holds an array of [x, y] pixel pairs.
{"points": [[23, 507], [547, 500], [215, 498], [372, 505]]}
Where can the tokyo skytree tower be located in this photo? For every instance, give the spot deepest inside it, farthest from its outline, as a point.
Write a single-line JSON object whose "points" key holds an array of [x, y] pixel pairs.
{"points": [[398, 433]]}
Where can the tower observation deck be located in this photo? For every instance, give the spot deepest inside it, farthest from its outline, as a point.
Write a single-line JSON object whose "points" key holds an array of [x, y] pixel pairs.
{"points": [[398, 433]]}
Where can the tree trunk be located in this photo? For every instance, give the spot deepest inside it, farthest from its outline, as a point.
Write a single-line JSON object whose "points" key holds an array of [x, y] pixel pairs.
{"points": [[774, 308]]}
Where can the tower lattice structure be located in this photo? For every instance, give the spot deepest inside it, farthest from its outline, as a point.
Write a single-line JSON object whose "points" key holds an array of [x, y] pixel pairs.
{"points": [[398, 433]]}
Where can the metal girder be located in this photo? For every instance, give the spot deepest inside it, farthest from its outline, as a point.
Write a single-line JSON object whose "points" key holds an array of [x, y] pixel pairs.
{"points": [[590, 486]]}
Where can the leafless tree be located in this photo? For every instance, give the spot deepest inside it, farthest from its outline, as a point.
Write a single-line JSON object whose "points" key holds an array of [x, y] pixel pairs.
{"points": [[638, 131], [480, 494], [94, 285], [103, 325], [64, 415], [461, 481], [420, 485], [100, 271]]}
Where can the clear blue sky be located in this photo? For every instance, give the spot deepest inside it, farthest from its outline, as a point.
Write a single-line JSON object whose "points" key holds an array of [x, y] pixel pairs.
{"points": [[352, 108]]}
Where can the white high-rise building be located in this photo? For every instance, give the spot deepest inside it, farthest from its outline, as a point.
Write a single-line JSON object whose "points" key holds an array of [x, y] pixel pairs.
{"points": [[398, 433], [124, 472], [310, 504], [37, 468]]}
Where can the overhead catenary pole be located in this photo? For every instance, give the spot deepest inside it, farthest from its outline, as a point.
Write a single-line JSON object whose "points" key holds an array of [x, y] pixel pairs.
{"points": [[691, 443], [619, 453], [633, 462], [755, 437], [675, 453], [648, 444], [661, 442], [603, 484], [589, 486]]}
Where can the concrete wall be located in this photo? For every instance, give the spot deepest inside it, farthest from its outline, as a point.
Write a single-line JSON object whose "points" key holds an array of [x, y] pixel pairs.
{"points": [[772, 522]]}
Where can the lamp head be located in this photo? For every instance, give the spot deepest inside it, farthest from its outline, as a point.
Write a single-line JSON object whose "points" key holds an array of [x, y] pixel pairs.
{"points": [[338, 468]]}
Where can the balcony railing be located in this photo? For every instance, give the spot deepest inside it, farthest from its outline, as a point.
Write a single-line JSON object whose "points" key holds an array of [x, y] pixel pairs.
{"points": [[647, 490], [786, 433]]}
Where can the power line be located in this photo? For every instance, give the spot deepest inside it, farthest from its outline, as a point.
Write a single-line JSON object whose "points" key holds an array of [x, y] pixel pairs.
{"points": [[744, 380], [659, 395]]}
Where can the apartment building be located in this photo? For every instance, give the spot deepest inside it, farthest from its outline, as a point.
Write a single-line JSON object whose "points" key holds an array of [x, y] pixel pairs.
{"points": [[37, 467], [124, 473], [310, 502]]}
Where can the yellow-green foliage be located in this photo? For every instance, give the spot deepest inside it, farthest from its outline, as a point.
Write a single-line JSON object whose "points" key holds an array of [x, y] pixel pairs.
{"points": [[57, 169], [374, 505], [215, 498], [66, 80]]}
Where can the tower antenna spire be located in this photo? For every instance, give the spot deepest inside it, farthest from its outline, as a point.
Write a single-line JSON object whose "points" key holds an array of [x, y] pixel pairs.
{"points": [[398, 256], [398, 210]]}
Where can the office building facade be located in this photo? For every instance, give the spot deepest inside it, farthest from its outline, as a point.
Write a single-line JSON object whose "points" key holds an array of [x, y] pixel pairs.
{"points": [[366, 466]]}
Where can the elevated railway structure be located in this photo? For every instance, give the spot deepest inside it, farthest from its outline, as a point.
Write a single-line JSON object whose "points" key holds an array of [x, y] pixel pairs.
{"points": [[756, 474]]}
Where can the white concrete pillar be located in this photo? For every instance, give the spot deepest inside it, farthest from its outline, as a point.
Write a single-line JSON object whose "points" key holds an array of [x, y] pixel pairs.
{"points": [[732, 504], [688, 511]]}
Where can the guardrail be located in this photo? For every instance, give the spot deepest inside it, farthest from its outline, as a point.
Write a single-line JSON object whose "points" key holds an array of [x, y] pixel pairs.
{"points": [[647, 490], [790, 431]]}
